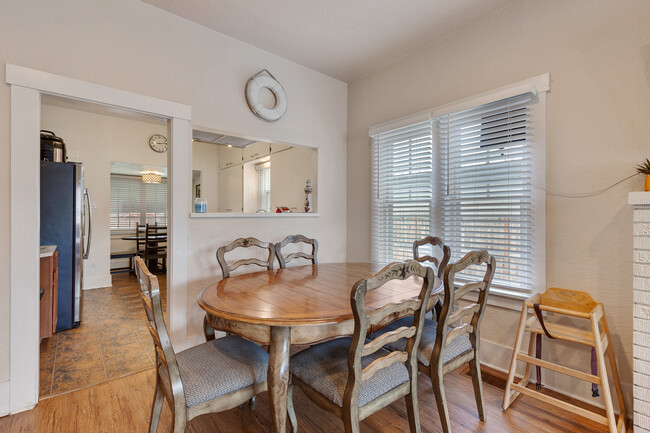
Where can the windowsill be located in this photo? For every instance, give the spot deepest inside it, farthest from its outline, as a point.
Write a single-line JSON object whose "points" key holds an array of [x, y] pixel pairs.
{"points": [[502, 298], [252, 215]]}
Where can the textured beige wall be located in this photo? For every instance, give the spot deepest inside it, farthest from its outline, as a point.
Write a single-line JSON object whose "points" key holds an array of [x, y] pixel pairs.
{"points": [[598, 55], [133, 46]]}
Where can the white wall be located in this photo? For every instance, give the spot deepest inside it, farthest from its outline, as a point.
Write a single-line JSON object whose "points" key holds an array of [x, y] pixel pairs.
{"points": [[112, 43], [597, 53], [96, 140]]}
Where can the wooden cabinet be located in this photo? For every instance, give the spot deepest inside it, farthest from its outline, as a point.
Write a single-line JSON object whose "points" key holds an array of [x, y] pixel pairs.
{"points": [[256, 150], [229, 156], [49, 300], [276, 147], [230, 189]]}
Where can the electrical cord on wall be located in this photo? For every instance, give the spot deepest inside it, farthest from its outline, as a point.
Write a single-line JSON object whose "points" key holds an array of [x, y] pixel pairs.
{"points": [[583, 194]]}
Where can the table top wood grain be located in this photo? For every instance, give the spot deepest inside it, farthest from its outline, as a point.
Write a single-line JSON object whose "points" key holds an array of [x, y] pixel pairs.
{"points": [[304, 295]]}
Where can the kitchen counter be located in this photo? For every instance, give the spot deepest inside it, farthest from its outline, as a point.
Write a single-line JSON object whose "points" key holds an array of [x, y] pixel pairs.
{"points": [[47, 250]]}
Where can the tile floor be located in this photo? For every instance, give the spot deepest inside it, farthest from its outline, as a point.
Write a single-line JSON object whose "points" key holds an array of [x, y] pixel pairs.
{"points": [[112, 341]]}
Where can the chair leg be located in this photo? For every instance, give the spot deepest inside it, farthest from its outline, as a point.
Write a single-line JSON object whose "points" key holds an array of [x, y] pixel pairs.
{"points": [[508, 397], [441, 400], [412, 409], [290, 409], [602, 372], [615, 377], [156, 408], [351, 418], [475, 370]]}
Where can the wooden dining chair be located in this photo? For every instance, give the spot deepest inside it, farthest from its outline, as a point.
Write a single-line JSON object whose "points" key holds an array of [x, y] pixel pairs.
{"points": [[226, 268], [155, 246], [451, 342], [353, 378], [212, 377], [439, 256], [294, 239]]}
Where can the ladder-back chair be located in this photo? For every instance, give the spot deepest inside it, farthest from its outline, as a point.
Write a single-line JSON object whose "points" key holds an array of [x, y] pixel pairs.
{"points": [[283, 260], [212, 377], [353, 378], [226, 268]]}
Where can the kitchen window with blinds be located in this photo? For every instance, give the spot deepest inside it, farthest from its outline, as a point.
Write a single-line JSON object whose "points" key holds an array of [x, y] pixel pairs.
{"points": [[486, 186], [134, 202], [402, 190]]}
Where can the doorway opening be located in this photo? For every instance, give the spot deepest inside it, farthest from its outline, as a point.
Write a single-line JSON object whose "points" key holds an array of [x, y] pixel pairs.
{"points": [[127, 184], [28, 86]]}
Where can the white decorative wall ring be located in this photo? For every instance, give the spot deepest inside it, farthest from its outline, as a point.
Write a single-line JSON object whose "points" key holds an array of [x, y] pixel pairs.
{"points": [[264, 79]]}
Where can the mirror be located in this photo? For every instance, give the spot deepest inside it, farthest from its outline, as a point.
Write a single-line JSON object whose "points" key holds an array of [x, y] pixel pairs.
{"points": [[238, 175]]}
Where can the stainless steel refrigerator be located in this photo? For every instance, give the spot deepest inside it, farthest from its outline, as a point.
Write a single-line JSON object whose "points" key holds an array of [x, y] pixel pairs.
{"points": [[66, 223]]}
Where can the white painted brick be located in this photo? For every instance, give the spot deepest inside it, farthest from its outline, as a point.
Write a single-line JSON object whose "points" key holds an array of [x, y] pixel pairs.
{"points": [[642, 407], [641, 420], [642, 352], [642, 256], [641, 380], [641, 229], [642, 215], [642, 366], [641, 270], [642, 311], [641, 283], [641, 297], [641, 243], [642, 325], [641, 393], [643, 340], [638, 429]]}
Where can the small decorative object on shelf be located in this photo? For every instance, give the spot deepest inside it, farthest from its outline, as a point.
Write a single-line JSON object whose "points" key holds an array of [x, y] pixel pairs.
{"points": [[200, 204], [308, 196], [644, 168], [282, 209]]}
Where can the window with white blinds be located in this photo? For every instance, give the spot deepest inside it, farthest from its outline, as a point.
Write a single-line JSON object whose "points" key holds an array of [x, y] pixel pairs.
{"points": [[402, 190], [134, 202], [486, 182], [263, 187]]}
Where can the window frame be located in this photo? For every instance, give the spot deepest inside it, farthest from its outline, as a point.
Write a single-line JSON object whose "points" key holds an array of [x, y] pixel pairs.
{"points": [[539, 86]]}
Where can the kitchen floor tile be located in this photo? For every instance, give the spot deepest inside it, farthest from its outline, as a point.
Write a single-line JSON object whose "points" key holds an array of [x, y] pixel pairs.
{"points": [[111, 342]]}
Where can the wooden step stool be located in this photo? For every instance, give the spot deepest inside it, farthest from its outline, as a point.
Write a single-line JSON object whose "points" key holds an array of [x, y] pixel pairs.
{"points": [[575, 304]]}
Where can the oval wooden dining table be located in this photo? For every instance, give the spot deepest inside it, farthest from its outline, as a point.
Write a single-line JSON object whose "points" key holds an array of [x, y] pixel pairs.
{"points": [[297, 305]]}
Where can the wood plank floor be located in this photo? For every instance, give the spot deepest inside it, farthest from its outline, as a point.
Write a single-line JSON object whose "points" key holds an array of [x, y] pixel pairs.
{"points": [[123, 405]]}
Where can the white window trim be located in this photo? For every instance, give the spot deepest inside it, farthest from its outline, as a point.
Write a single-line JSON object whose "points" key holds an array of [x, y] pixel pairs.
{"points": [[538, 85]]}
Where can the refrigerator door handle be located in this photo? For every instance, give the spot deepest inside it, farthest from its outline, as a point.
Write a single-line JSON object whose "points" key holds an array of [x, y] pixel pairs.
{"points": [[90, 224]]}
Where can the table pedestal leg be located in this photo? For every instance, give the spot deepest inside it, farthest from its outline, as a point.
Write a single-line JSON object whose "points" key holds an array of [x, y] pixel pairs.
{"points": [[278, 376]]}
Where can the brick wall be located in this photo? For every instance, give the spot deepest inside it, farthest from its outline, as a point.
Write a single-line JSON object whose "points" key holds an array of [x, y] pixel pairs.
{"points": [[641, 318]]}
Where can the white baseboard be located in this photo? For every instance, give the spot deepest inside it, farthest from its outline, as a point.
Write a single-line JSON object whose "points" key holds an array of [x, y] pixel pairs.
{"points": [[97, 282], [4, 398], [497, 356]]}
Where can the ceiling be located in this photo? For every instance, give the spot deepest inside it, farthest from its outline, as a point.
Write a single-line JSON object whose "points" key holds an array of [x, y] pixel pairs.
{"points": [[345, 39]]}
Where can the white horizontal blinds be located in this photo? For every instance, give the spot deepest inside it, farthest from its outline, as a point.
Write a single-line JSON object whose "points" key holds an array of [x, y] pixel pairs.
{"points": [[134, 202], [402, 190], [154, 202], [486, 186]]}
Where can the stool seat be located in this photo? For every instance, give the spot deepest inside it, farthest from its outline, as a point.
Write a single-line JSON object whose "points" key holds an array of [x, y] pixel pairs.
{"points": [[577, 305]]}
